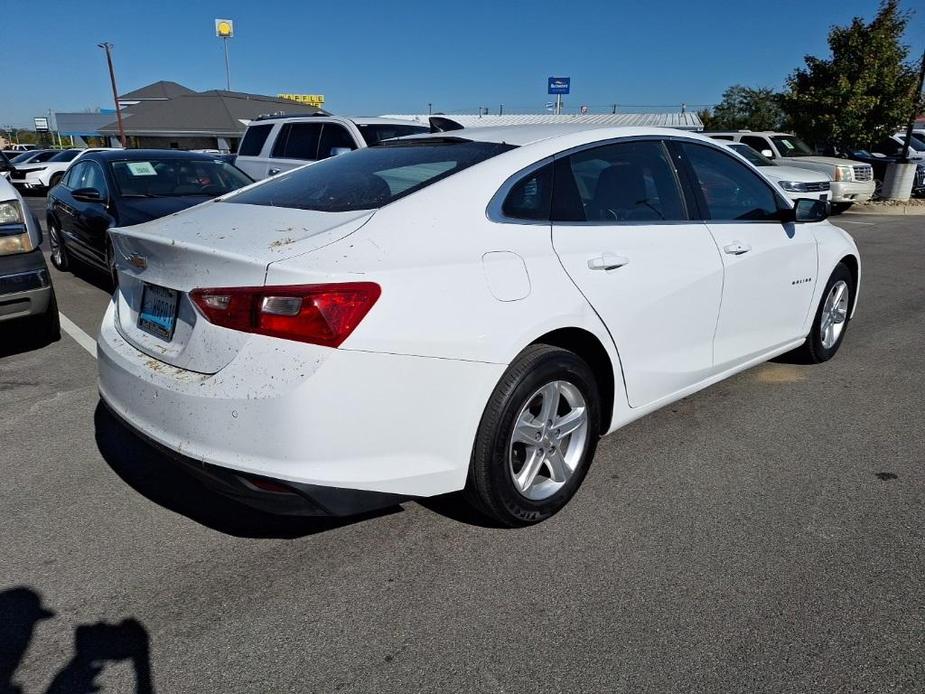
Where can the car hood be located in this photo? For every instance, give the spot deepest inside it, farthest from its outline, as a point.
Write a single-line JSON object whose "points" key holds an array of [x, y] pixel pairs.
{"points": [[793, 173], [139, 210]]}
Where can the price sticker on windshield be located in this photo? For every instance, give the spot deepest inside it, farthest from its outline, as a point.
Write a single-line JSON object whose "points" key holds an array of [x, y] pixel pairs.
{"points": [[141, 168]]}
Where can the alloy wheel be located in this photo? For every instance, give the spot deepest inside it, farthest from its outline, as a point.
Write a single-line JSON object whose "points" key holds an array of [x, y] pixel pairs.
{"points": [[549, 438], [834, 314]]}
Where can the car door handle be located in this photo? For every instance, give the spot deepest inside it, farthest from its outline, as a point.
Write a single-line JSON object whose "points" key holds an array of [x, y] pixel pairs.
{"points": [[737, 248], [607, 261], [273, 172]]}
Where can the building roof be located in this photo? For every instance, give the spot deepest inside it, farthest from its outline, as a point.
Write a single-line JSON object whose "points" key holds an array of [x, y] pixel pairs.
{"points": [[684, 121], [214, 113], [158, 91]]}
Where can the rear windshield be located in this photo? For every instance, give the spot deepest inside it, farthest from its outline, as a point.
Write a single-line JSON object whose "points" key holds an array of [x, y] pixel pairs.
{"points": [[370, 178], [374, 133]]}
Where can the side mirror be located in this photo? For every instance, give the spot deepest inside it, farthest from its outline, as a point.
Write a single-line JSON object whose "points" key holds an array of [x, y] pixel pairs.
{"points": [[87, 195], [768, 153], [339, 150], [809, 210]]}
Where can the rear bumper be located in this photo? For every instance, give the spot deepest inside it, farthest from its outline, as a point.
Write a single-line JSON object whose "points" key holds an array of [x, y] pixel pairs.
{"points": [[25, 285], [311, 417], [852, 191]]}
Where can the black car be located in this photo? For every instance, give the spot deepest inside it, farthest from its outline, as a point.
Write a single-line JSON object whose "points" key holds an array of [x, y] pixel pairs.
{"points": [[879, 164], [112, 188]]}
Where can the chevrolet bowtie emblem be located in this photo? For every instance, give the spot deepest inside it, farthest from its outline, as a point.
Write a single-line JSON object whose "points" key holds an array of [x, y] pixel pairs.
{"points": [[138, 261]]}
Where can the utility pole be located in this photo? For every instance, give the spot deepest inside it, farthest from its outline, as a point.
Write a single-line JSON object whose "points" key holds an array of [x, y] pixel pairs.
{"points": [[915, 107], [613, 108], [115, 94], [430, 109], [501, 110]]}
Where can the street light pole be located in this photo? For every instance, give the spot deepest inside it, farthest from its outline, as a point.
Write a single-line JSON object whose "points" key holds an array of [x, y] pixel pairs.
{"points": [[115, 94]]}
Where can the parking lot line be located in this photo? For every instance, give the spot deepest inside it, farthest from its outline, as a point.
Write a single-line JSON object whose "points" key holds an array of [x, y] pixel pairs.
{"points": [[82, 339]]}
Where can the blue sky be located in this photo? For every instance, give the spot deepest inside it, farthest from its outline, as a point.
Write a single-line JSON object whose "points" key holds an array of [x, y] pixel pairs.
{"points": [[370, 58]]}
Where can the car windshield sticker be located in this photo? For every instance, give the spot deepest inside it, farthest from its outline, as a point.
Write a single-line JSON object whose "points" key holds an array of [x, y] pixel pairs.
{"points": [[141, 168]]}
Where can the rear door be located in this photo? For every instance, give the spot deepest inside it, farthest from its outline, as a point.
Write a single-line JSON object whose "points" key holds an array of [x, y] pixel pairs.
{"points": [[770, 266], [623, 233]]}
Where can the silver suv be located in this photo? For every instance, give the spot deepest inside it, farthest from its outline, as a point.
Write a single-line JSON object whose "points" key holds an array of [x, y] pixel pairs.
{"points": [[852, 181], [274, 144]]}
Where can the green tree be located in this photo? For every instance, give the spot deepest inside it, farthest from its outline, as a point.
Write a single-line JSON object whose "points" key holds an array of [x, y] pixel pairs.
{"points": [[863, 92], [744, 107]]}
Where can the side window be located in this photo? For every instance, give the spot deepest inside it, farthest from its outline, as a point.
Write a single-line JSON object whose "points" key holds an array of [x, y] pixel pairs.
{"points": [[254, 139], [298, 141], [334, 137], [731, 191], [757, 143], [531, 196], [94, 178], [623, 182], [76, 175]]}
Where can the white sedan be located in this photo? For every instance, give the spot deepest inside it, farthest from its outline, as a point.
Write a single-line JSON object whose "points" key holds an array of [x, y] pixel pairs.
{"points": [[464, 310]]}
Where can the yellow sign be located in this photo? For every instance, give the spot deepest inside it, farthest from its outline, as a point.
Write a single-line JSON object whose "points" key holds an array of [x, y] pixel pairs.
{"points": [[224, 28], [307, 99]]}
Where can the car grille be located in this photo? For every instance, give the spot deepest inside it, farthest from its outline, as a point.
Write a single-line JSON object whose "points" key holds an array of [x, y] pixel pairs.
{"points": [[18, 175], [863, 173], [816, 187]]}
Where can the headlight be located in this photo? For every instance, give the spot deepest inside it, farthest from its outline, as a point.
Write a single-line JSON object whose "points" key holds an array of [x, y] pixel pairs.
{"points": [[37, 168], [793, 186], [14, 237], [843, 173]]}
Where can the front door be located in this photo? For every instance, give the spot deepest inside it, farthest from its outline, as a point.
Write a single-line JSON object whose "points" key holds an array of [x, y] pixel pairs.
{"points": [[622, 231], [770, 266]]}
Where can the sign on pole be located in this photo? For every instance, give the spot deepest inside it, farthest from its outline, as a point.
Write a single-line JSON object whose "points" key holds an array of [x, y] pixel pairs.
{"points": [[224, 28], [41, 124], [559, 85]]}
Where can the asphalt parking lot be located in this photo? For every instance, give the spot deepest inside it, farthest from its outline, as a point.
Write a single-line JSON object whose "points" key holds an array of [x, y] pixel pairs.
{"points": [[764, 535]]}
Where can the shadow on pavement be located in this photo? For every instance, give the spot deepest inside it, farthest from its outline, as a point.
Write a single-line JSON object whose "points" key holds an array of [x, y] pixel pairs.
{"points": [[95, 645], [165, 482], [24, 335]]}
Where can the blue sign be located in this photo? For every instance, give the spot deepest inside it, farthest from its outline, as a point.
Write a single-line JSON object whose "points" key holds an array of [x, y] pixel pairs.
{"points": [[559, 85]]}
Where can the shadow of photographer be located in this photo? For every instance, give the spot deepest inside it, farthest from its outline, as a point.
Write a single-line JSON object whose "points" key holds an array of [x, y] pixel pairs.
{"points": [[95, 646]]}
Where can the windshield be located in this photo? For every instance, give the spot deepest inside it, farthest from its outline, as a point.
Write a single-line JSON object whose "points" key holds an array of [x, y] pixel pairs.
{"points": [[176, 177], [66, 155], [754, 157], [914, 143], [791, 146], [374, 133], [371, 178]]}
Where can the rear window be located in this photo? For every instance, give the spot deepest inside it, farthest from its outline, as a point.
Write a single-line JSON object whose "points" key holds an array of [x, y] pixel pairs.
{"points": [[374, 133], [370, 178], [253, 140]]}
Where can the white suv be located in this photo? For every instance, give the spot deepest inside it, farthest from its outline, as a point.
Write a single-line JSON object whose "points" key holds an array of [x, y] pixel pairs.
{"points": [[45, 175], [279, 143], [852, 181]]}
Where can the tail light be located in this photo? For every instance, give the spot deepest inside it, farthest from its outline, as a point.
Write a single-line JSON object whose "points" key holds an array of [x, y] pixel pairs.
{"points": [[322, 314]]}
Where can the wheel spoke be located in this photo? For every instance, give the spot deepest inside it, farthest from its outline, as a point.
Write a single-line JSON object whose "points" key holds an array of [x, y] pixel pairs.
{"points": [[838, 294], [550, 394], [559, 471], [527, 430], [569, 423], [528, 472]]}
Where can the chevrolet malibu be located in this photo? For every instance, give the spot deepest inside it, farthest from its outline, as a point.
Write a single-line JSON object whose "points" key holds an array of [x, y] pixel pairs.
{"points": [[469, 310]]}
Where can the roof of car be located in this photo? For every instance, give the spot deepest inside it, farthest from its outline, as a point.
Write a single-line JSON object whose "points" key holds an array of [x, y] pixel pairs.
{"points": [[142, 154], [529, 134]]}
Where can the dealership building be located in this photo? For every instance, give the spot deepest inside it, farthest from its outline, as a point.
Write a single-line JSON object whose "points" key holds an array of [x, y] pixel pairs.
{"points": [[167, 115]]}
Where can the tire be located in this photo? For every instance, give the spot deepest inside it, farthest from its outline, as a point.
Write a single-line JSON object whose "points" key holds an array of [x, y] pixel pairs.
{"points": [[839, 207], [518, 482], [820, 347], [59, 257]]}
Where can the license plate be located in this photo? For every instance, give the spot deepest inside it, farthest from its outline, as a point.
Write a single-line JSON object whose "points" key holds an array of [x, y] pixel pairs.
{"points": [[158, 314]]}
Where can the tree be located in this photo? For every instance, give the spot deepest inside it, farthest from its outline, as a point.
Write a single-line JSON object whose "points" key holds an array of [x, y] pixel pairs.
{"points": [[863, 92], [744, 107]]}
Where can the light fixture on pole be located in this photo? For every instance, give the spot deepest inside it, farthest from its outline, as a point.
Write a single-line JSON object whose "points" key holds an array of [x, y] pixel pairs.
{"points": [[115, 94], [224, 29]]}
